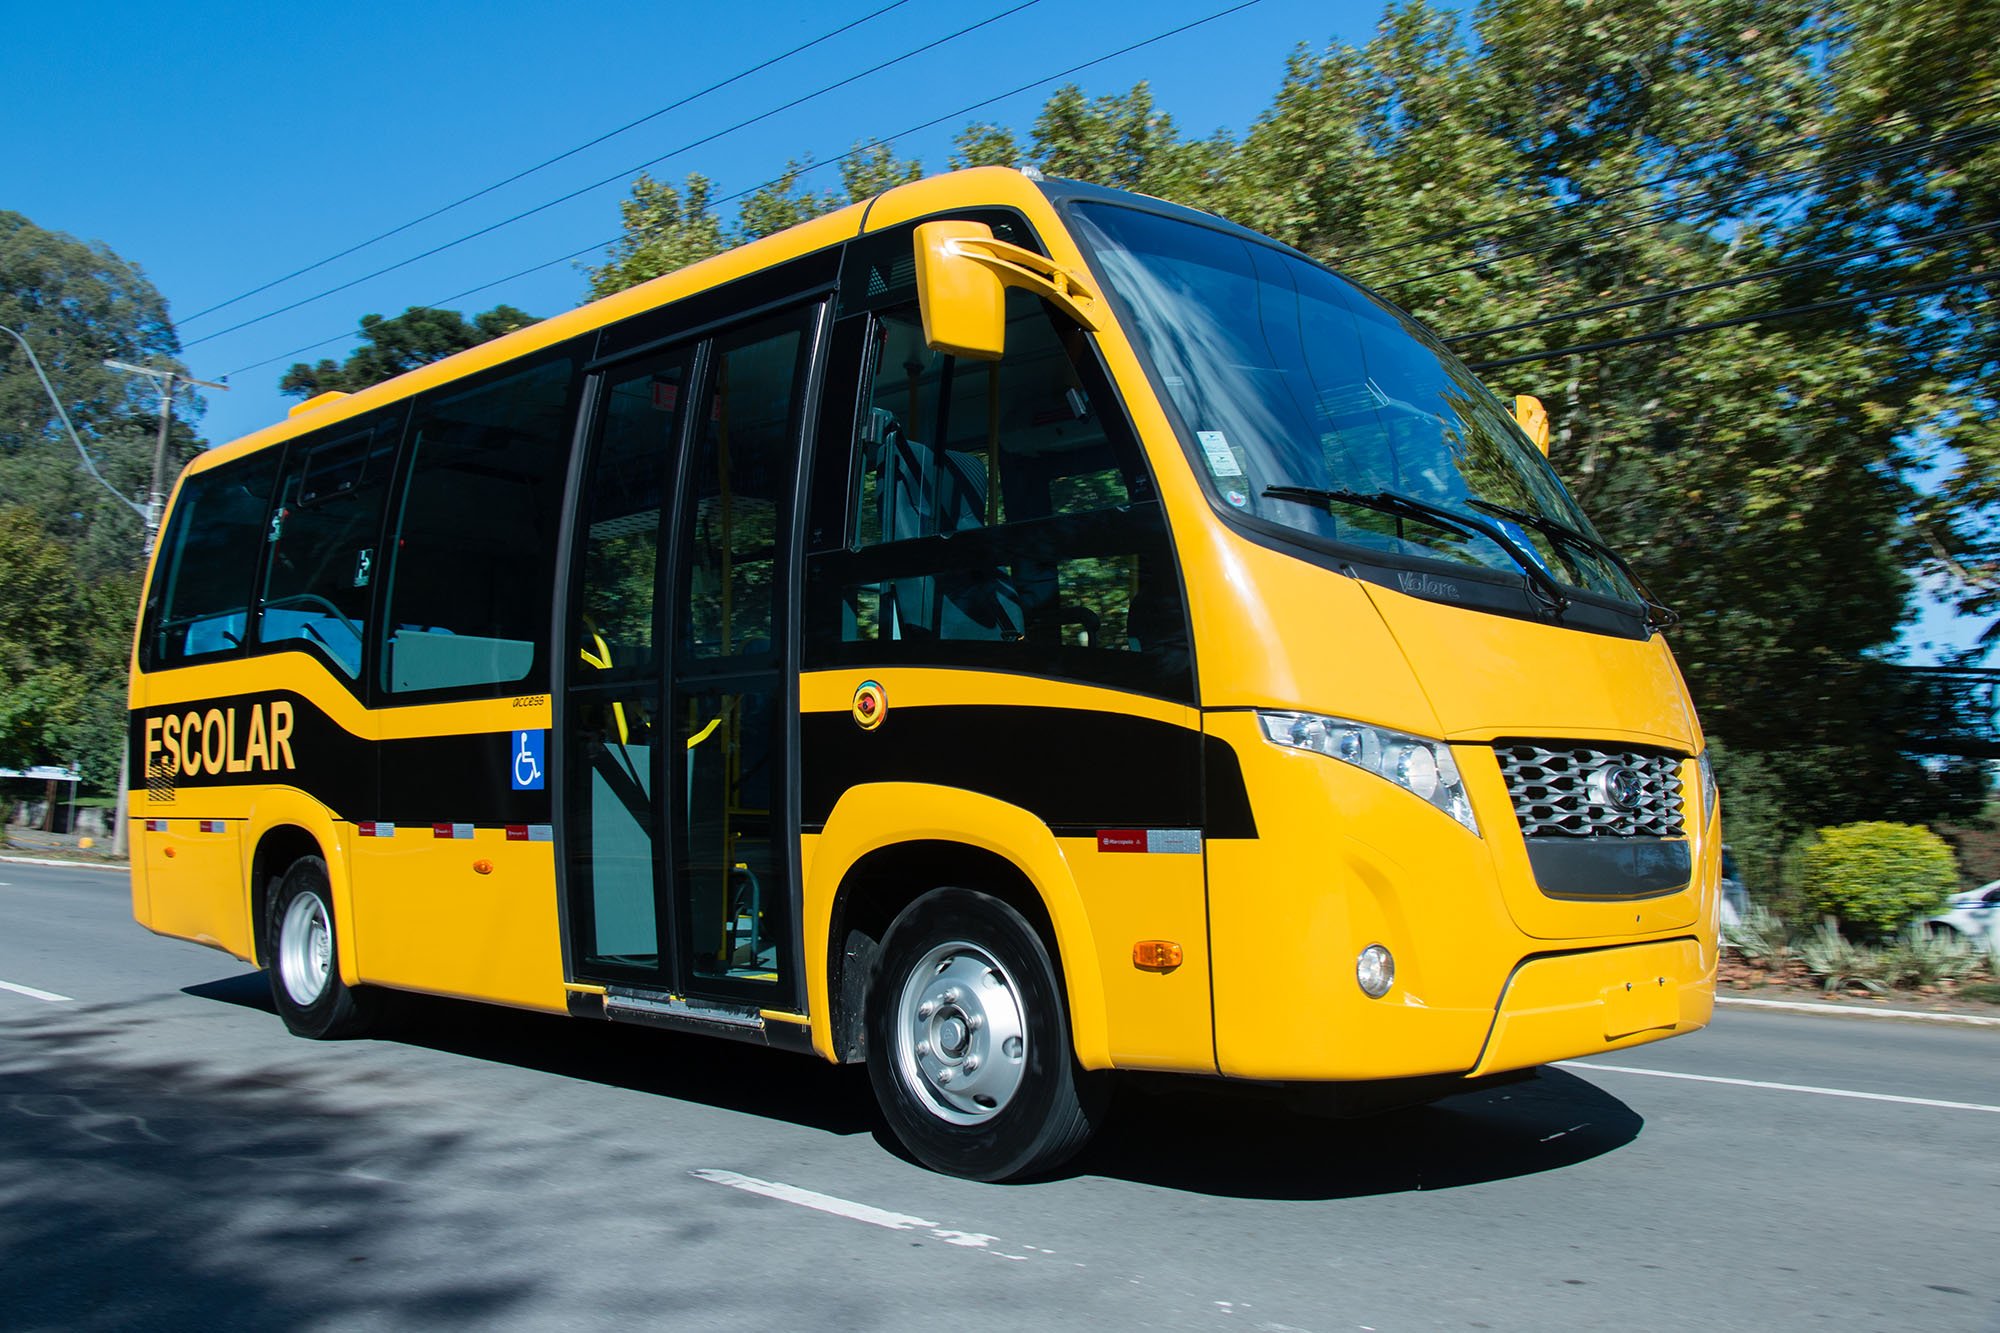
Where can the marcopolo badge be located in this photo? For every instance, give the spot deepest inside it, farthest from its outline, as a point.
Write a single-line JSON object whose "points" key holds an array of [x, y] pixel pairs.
{"points": [[871, 704]]}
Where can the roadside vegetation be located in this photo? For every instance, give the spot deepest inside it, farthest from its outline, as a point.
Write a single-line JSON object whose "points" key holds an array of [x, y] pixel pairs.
{"points": [[1868, 890]]}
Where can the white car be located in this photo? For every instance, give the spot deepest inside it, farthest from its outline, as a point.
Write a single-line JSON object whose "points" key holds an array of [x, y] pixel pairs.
{"points": [[1974, 915], [1735, 898]]}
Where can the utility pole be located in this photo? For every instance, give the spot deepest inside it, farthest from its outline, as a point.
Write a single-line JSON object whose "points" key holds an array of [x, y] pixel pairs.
{"points": [[170, 382], [156, 496]]}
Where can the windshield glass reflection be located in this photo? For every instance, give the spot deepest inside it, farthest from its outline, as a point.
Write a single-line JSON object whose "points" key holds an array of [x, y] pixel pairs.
{"points": [[1291, 377]]}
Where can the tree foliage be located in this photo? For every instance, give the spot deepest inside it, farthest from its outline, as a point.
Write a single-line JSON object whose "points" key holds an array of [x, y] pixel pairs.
{"points": [[63, 643], [392, 346], [78, 304]]}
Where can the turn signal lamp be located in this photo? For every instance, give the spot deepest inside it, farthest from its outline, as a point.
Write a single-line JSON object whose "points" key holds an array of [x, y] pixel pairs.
{"points": [[1156, 955]]}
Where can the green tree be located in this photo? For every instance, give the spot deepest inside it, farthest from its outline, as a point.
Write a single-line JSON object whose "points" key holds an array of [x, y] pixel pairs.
{"points": [[63, 645], [666, 228], [77, 304], [417, 337]]}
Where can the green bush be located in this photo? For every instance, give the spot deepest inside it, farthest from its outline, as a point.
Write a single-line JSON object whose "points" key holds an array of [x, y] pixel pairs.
{"points": [[1877, 878]]}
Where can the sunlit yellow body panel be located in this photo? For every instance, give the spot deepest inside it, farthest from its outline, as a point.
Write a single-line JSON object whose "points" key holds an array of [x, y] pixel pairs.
{"points": [[427, 919], [1575, 1004], [1099, 903]]}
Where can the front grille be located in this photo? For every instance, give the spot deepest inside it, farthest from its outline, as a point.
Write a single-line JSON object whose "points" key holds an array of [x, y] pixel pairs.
{"points": [[1570, 791]]}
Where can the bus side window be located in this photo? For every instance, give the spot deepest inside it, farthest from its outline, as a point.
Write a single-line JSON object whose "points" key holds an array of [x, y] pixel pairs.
{"points": [[469, 587], [323, 540], [208, 562], [1016, 450]]}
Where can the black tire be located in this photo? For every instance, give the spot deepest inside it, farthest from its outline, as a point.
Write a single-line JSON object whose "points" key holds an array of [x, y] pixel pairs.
{"points": [[969, 1043], [303, 952]]}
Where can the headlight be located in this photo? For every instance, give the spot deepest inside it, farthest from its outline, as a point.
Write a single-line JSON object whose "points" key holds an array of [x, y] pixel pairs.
{"points": [[1708, 789], [1422, 767]]}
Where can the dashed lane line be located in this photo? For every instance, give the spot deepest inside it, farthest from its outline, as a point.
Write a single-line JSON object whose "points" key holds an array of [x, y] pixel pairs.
{"points": [[1782, 1087], [847, 1208], [47, 995]]}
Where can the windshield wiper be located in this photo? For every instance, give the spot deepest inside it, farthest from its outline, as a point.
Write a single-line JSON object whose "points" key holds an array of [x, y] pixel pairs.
{"points": [[1544, 587], [1658, 614]]}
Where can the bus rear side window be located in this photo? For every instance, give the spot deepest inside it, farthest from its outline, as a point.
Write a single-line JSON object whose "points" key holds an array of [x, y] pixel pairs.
{"points": [[475, 546], [208, 562]]}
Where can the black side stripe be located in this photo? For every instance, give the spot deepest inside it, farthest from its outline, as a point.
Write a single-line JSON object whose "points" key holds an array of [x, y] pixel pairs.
{"points": [[1073, 768]]}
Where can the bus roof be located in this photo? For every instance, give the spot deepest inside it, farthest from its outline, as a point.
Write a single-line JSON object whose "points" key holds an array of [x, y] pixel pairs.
{"points": [[977, 185]]}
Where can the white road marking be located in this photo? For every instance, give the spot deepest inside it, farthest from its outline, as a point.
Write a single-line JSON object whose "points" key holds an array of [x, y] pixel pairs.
{"points": [[1782, 1087], [825, 1203], [34, 994]]}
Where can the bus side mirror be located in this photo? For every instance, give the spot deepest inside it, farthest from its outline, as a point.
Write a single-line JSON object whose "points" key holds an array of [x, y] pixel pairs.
{"points": [[963, 274], [1534, 419]]}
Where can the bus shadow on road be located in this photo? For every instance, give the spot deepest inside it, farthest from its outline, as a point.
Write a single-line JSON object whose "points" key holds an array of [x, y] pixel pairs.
{"points": [[1209, 1140], [1196, 1136], [728, 1075]]}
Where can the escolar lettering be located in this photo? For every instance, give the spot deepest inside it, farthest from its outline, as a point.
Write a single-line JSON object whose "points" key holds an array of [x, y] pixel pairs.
{"points": [[196, 743]]}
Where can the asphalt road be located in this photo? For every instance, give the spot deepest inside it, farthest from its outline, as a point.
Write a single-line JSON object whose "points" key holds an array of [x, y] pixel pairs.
{"points": [[170, 1158]]}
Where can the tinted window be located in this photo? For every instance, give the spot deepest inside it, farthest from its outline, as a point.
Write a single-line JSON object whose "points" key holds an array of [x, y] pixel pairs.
{"points": [[208, 562], [324, 541], [623, 492], [468, 603], [739, 491], [1001, 516]]}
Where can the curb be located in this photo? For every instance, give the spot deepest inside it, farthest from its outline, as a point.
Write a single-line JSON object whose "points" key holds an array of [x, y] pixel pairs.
{"points": [[121, 866], [1843, 1011]]}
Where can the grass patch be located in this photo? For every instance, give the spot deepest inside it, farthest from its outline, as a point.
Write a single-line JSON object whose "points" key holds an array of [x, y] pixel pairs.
{"points": [[1989, 991]]}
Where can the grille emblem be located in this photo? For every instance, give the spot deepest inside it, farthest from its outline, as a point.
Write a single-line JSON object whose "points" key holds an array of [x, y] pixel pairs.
{"points": [[1622, 786]]}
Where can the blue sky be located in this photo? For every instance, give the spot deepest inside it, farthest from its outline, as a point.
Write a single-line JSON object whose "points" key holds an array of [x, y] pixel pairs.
{"points": [[221, 145]]}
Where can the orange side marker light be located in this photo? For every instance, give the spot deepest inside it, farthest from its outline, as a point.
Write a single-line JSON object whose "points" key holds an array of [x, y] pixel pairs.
{"points": [[1156, 955]]}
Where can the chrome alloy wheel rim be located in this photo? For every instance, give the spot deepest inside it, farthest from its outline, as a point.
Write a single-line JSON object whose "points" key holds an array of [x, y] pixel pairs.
{"points": [[961, 1036], [305, 949]]}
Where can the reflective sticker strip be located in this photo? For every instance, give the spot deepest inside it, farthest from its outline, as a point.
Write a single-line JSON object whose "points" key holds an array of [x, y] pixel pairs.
{"points": [[531, 833], [451, 830], [1156, 840], [156, 826], [215, 826], [375, 829]]}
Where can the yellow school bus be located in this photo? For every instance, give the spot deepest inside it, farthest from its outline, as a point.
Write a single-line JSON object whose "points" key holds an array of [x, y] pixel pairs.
{"points": [[1006, 632]]}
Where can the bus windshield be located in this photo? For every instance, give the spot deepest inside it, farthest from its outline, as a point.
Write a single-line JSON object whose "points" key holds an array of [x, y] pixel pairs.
{"points": [[1318, 408]]}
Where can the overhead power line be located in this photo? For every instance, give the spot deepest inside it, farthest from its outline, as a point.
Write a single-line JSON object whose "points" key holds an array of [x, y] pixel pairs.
{"points": [[628, 172], [966, 110], [1983, 277], [1782, 271], [567, 153]]}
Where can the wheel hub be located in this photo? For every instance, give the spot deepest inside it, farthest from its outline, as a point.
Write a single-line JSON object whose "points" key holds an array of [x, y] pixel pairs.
{"points": [[961, 1034], [305, 949]]}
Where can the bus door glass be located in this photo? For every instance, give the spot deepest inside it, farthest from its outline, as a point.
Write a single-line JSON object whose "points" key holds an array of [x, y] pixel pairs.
{"points": [[729, 704], [613, 667]]}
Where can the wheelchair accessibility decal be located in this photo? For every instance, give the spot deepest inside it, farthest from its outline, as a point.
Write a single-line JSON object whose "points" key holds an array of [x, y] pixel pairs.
{"points": [[529, 748]]}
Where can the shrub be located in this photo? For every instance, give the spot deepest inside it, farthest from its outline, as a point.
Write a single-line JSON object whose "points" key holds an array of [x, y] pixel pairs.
{"points": [[1760, 937], [1922, 957], [1839, 962], [1877, 878]]}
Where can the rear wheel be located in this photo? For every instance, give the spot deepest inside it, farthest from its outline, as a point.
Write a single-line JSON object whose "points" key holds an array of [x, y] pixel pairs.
{"points": [[968, 1042], [304, 954]]}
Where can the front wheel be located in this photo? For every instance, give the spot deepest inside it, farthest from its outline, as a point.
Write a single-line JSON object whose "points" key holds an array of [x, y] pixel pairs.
{"points": [[305, 971], [968, 1042]]}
